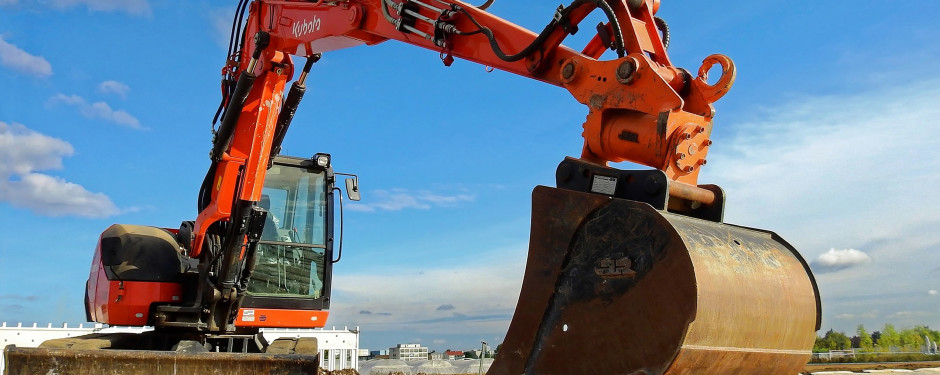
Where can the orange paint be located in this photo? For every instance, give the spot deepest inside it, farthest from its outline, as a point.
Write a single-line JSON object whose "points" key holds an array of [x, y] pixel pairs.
{"points": [[281, 318]]}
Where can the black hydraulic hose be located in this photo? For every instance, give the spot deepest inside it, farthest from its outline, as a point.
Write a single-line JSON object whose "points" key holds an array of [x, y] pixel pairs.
{"points": [[236, 23], [229, 275], [205, 190], [532, 47], [486, 4], [543, 36], [611, 17], [233, 37], [664, 28], [241, 41]]}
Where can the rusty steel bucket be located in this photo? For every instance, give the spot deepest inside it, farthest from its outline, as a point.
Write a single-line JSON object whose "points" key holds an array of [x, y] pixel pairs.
{"points": [[614, 286]]}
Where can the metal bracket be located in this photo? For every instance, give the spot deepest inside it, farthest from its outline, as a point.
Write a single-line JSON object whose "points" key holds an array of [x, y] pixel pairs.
{"points": [[648, 186]]}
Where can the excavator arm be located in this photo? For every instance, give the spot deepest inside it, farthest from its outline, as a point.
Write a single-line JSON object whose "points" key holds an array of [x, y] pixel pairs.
{"points": [[641, 108]]}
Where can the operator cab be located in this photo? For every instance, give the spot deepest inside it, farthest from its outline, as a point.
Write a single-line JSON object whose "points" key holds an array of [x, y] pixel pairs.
{"points": [[294, 262], [293, 247]]}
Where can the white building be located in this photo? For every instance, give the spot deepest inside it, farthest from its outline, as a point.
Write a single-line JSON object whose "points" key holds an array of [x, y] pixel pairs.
{"points": [[408, 352], [339, 348]]}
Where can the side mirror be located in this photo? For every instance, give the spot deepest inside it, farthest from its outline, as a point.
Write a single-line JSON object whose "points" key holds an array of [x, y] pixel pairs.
{"points": [[352, 188]]}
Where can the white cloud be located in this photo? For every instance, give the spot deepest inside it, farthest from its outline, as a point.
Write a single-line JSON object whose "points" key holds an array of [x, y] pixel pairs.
{"points": [[476, 297], [134, 7], [834, 260], [114, 87], [19, 60], [53, 196], [852, 169], [399, 199], [100, 110], [855, 317], [908, 314], [22, 153], [846, 164], [932, 292]]}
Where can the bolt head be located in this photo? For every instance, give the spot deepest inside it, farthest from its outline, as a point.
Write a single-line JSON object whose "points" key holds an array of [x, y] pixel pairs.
{"points": [[567, 71], [625, 71]]}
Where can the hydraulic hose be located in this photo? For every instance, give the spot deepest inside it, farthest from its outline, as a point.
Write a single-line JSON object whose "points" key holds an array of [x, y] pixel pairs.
{"points": [[543, 36], [664, 28]]}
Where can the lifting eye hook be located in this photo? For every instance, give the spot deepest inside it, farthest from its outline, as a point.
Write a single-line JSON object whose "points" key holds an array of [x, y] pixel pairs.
{"points": [[712, 93]]}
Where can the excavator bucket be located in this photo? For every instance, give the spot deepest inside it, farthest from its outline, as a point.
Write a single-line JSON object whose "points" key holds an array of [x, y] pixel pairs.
{"points": [[614, 286]]}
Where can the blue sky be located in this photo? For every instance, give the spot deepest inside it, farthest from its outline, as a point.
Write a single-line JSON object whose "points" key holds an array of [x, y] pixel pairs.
{"points": [[828, 138]]}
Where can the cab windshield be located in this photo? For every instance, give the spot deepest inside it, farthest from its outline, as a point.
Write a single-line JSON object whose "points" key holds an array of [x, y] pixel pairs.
{"points": [[292, 250]]}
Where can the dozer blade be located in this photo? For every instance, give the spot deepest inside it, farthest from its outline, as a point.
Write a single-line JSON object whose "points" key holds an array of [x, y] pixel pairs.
{"points": [[614, 286]]}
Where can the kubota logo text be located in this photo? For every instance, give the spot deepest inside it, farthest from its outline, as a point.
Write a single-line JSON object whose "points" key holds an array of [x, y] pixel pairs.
{"points": [[305, 27]]}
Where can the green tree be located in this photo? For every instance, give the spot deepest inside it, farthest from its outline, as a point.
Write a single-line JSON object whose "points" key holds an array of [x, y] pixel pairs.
{"points": [[820, 345], [890, 338], [925, 332], [832, 341], [912, 338], [865, 341]]}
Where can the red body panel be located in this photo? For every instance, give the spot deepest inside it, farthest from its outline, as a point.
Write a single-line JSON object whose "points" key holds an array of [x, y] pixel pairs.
{"points": [[281, 318], [124, 303]]}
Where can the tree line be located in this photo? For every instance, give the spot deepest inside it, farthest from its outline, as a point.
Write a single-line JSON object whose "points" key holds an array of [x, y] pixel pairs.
{"points": [[887, 339]]}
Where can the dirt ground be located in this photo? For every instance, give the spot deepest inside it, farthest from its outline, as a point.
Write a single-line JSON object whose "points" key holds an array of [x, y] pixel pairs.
{"points": [[809, 369], [858, 367]]}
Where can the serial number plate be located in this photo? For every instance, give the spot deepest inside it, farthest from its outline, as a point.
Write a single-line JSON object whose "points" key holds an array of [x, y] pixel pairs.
{"points": [[604, 185]]}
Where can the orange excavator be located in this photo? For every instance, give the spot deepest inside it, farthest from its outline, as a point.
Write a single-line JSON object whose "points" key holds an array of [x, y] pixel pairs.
{"points": [[629, 271]]}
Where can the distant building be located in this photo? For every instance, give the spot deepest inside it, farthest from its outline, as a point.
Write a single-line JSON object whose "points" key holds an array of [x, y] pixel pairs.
{"points": [[379, 354], [408, 352], [453, 354]]}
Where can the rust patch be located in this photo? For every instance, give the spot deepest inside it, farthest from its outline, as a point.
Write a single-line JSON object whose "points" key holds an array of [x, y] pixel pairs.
{"points": [[615, 269]]}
